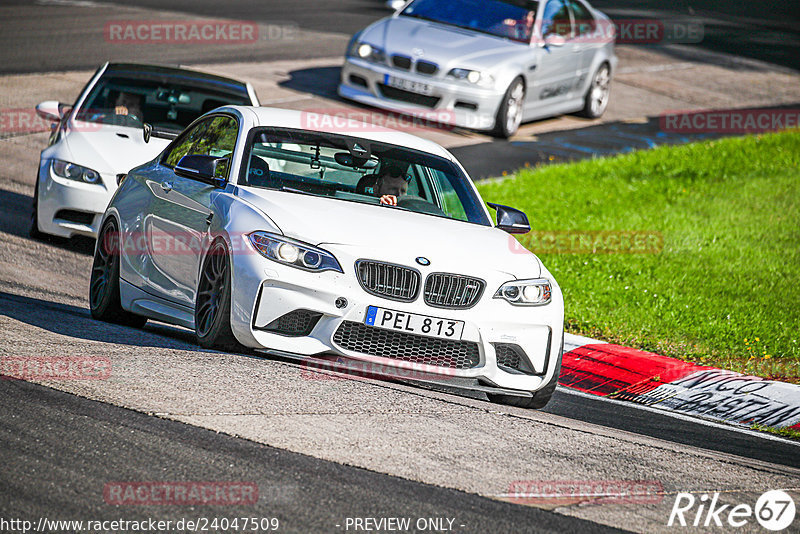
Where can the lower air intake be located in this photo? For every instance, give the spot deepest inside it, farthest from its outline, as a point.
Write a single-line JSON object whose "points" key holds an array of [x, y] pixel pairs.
{"points": [[511, 357], [294, 324], [385, 343]]}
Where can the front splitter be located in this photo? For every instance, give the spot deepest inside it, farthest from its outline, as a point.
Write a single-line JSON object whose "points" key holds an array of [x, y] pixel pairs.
{"points": [[362, 369]]}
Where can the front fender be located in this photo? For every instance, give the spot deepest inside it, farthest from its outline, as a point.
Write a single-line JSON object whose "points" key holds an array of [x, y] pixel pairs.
{"points": [[233, 219]]}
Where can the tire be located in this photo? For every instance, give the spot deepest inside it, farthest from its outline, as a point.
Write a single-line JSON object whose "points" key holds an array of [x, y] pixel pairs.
{"points": [[540, 397], [104, 300], [595, 101], [33, 230], [212, 312], [509, 114]]}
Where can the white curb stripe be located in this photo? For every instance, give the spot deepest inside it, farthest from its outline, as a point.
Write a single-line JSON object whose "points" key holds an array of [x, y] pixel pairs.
{"points": [[725, 396]]}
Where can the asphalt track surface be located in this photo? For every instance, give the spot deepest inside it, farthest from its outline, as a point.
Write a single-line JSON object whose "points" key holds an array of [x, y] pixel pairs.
{"points": [[59, 449], [767, 31], [61, 473]]}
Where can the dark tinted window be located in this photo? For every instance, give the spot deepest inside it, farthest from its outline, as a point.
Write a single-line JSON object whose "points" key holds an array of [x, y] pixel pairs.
{"points": [[511, 20], [584, 21], [215, 136], [556, 19], [171, 105], [184, 144]]}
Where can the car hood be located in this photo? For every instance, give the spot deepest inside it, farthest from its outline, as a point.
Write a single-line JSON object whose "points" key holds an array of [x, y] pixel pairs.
{"points": [[394, 235], [447, 46], [110, 149]]}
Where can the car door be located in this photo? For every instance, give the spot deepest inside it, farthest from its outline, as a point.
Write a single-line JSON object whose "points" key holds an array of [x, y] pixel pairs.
{"points": [[553, 80], [178, 222]]}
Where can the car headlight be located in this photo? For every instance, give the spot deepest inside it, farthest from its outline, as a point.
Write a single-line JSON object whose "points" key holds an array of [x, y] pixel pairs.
{"points": [[367, 51], [474, 77], [535, 292], [75, 172], [294, 253]]}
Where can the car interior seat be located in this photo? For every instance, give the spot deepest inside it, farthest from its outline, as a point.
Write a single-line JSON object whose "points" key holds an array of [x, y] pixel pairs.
{"points": [[366, 185], [258, 173]]}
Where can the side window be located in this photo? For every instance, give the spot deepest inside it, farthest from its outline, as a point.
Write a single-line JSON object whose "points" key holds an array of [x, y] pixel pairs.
{"points": [[414, 172], [184, 144], [584, 21], [212, 137], [448, 196], [556, 20], [218, 140]]}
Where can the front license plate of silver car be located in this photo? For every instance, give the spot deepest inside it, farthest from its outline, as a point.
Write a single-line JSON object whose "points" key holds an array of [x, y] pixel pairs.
{"points": [[414, 323], [408, 85]]}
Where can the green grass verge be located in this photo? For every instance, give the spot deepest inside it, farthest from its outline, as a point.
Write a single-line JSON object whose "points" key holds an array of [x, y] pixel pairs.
{"points": [[721, 289], [783, 432]]}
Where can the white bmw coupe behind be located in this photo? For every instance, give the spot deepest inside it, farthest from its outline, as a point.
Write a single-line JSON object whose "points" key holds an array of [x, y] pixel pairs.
{"points": [[257, 228], [101, 136]]}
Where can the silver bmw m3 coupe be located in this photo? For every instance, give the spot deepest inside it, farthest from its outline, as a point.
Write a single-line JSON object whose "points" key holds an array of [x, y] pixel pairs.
{"points": [[484, 64]]}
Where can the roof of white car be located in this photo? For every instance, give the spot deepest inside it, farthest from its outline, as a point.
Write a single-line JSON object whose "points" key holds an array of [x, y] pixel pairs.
{"points": [[320, 121]]}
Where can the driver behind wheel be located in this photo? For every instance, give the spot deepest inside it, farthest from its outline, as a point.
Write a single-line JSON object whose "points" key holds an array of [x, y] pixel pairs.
{"points": [[128, 107], [391, 184]]}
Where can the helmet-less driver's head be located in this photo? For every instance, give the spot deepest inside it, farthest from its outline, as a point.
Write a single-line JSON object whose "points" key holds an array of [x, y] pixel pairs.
{"points": [[392, 182]]}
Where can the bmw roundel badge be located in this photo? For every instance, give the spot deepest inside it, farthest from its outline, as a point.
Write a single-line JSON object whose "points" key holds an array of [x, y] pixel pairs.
{"points": [[423, 261]]}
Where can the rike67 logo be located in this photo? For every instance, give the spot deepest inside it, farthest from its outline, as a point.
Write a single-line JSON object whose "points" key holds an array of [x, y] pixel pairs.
{"points": [[774, 510]]}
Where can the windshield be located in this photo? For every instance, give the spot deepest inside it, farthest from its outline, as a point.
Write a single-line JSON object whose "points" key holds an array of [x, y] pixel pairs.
{"points": [[510, 20], [359, 170], [132, 101]]}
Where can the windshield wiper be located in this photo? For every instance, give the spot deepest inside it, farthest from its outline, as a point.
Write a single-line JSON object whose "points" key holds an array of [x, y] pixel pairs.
{"points": [[416, 16], [298, 191]]}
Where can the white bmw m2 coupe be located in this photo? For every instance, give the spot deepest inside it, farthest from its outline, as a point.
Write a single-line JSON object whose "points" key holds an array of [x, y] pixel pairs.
{"points": [[257, 227]]}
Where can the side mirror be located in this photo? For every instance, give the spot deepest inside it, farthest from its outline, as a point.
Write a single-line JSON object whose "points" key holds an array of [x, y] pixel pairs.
{"points": [[148, 131], [396, 5], [511, 220], [51, 110], [202, 167], [554, 40]]}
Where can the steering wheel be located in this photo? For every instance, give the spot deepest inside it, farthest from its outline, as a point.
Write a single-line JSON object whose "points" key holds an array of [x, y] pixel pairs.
{"points": [[131, 119], [414, 203]]}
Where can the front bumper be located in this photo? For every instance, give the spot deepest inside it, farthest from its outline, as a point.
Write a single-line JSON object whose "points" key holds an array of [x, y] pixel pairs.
{"points": [[265, 291], [67, 207], [452, 102]]}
